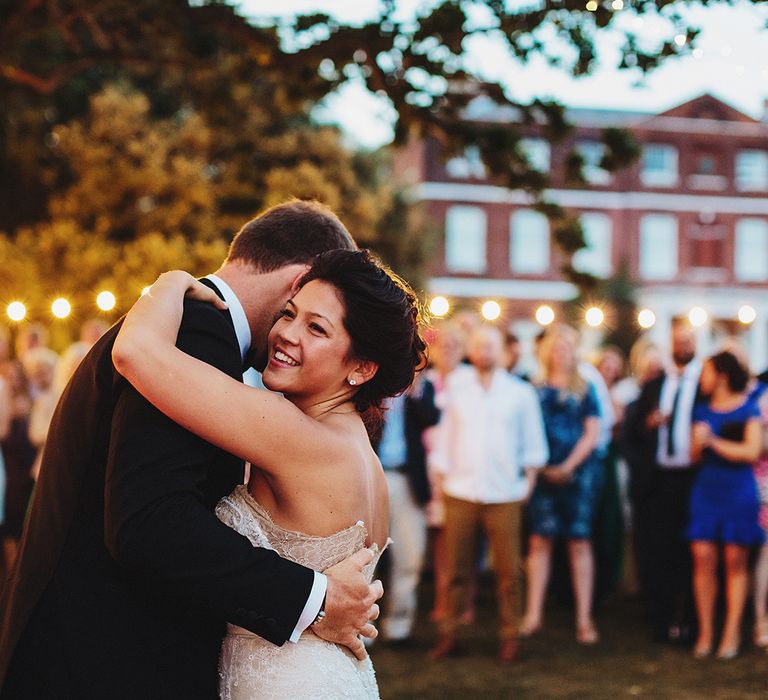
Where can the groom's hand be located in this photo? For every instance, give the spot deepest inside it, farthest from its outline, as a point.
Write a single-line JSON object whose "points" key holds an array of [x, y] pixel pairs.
{"points": [[350, 604]]}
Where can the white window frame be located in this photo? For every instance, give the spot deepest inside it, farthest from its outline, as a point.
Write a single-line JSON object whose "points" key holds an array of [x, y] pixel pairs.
{"points": [[758, 184], [538, 153], [591, 171], [529, 233], [465, 246], [597, 257], [468, 166], [666, 176], [658, 254], [750, 250]]}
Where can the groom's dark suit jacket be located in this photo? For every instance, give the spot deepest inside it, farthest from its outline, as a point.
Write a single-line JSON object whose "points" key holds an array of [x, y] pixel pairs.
{"points": [[125, 577]]}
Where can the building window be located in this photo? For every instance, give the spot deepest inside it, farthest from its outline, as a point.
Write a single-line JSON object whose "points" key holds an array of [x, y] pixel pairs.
{"points": [[659, 168], [658, 247], [465, 232], [592, 153], [529, 242], [596, 257], [705, 165], [537, 153], [751, 251], [470, 165], [752, 171]]}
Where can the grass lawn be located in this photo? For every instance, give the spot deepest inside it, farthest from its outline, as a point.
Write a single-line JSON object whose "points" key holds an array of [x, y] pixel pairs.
{"points": [[624, 664]]}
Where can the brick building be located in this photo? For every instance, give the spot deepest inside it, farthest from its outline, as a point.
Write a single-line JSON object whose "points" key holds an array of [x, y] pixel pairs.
{"points": [[689, 219]]}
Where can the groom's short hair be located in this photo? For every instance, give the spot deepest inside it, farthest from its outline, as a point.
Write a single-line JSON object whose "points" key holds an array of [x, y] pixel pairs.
{"points": [[289, 233]]}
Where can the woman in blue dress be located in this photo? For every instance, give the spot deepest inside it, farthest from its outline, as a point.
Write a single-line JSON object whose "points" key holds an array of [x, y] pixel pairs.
{"points": [[564, 499], [726, 441]]}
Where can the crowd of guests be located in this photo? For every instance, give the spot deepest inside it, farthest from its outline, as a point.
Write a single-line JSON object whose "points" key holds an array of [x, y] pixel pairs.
{"points": [[574, 474], [569, 475], [32, 377]]}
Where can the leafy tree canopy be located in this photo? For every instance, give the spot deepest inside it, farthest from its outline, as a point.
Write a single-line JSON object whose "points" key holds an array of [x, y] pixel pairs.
{"points": [[130, 118]]}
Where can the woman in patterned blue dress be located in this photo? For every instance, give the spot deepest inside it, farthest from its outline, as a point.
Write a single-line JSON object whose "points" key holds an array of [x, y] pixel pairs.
{"points": [[564, 499], [726, 441]]}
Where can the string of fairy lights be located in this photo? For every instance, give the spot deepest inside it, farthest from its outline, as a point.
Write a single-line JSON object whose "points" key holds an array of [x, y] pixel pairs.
{"points": [[594, 316], [61, 308], [439, 307]]}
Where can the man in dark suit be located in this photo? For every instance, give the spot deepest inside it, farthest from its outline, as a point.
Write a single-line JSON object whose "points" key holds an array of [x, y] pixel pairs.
{"points": [[125, 577], [656, 443]]}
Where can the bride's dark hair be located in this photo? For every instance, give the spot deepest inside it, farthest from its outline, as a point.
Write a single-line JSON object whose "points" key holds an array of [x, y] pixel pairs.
{"points": [[382, 317]]}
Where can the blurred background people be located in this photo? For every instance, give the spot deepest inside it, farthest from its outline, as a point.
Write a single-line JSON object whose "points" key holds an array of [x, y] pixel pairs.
{"points": [[512, 354], [726, 442], [402, 455], [41, 365], [657, 438], [29, 337], [645, 364], [490, 443], [608, 540], [5, 414], [19, 456], [567, 490], [760, 589], [90, 332], [445, 354]]}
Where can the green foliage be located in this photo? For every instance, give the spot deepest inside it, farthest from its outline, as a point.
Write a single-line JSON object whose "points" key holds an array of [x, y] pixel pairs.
{"points": [[167, 121]]}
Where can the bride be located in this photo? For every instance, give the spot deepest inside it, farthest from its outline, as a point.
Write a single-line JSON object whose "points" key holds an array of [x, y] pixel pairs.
{"points": [[347, 339]]}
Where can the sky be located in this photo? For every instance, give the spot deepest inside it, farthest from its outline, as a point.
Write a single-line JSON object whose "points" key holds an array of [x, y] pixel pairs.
{"points": [[730, 61]]}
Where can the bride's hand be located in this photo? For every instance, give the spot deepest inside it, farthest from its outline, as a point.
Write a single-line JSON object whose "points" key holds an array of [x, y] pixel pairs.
{"points": [[350, 604], [193, 289]]}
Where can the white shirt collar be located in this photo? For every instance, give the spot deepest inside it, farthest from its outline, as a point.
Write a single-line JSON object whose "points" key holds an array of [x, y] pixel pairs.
{"points": [[239, 319]]}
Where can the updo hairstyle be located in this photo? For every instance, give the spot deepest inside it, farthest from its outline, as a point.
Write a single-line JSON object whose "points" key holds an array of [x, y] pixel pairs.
{"points": [[381, 315]]}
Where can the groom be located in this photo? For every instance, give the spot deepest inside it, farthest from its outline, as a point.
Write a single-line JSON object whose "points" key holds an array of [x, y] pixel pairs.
{"points": [[125, 577]]}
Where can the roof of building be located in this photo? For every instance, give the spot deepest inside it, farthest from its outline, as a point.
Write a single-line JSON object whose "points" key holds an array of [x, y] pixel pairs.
{"points": [[703, 114]]}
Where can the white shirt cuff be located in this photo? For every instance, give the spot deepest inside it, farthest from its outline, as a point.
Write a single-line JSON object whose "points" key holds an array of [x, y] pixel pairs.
{"points": [[312, 606]]}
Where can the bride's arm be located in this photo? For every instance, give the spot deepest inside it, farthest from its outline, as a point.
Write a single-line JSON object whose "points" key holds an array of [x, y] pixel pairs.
{"points": [[258, 426]]}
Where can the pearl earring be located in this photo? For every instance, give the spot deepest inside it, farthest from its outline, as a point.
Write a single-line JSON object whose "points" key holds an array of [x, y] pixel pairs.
{"points": [[353, 382]]}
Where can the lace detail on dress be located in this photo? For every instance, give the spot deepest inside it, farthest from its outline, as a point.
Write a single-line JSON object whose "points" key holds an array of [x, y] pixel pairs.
{"points": [[252, 668]]}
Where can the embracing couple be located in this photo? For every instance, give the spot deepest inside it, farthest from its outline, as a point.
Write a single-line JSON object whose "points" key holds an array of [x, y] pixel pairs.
{"points": [[148, 569]]}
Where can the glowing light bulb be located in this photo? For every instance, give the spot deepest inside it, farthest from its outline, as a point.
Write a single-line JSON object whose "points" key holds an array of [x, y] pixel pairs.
{"points": [[646, 318], [16, 311], [592, 6], [490, 310], [697, 316], [61, 308], [594, 316], [747, 314], [439, 306], [106, 301], [545, 315], [617, 4], [681, 39]]}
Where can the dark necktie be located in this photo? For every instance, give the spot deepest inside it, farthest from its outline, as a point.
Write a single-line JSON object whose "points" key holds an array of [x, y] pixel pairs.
{"points": [[672, 418]]}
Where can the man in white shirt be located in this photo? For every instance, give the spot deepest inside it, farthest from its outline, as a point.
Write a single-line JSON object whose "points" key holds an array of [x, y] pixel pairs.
{"points": [[489, 446]]}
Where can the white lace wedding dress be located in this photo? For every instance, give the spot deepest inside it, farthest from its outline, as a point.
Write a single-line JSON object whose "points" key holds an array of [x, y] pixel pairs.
{"points": [[251, 668]]}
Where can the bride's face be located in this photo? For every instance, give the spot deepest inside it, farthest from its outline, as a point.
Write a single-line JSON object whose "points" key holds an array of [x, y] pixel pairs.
{"points": [[309, 348]]}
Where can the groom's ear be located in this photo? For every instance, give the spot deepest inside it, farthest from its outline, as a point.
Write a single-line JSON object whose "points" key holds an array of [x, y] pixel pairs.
{"points": [[295, 284]]}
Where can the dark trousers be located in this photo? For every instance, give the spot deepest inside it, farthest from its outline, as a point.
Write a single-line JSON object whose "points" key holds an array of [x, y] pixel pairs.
{"points": [[663, 552]]}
